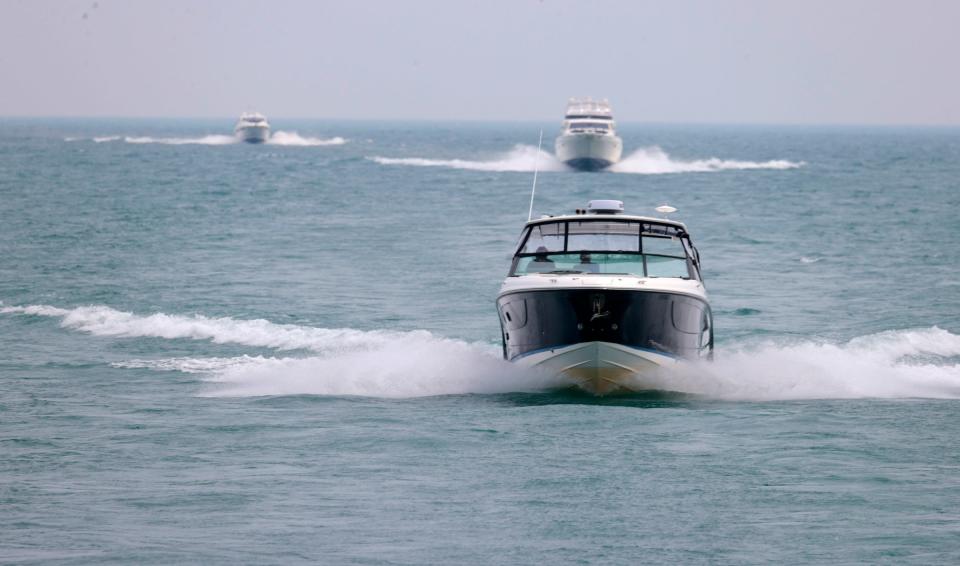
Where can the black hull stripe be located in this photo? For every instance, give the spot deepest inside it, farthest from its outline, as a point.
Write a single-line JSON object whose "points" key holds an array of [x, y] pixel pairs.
{"points": [[665, 323]]}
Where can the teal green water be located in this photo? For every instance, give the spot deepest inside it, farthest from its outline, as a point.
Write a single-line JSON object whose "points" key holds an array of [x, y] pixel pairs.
{"points": [[221, 353]]}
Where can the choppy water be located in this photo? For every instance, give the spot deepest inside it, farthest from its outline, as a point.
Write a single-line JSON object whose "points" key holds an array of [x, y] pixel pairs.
{"points": [[214, 352]]}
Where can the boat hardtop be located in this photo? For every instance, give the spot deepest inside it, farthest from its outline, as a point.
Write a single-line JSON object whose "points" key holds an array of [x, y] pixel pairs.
{"points": [[601, 240], [252, 117], [585, 115], [588, 109]]}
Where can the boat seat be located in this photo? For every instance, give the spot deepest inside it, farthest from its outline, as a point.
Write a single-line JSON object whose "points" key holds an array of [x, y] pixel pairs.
{"points": [[541, 266], [587, 267]]}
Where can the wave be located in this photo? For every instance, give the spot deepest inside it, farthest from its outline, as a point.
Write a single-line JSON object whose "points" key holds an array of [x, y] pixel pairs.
{"points": [[923, 363], [655, 161], [520, 158], [214, 139], [406, 368], [105, 321], [280, 137], [647, 161], [342, 362], [293, 138]]}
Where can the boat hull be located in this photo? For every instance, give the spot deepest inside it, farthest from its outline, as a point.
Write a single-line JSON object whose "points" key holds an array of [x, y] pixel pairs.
{"points": [[253, 134], [604, 368], [589, 152], [605, 340]]}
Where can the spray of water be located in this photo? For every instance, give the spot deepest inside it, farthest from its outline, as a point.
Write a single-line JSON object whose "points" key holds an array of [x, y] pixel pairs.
{"points": [[894, 364], [647, 161], [337, 361], [205, 140], [520, 158], [655, 161], [294, 139], [280, 138]]}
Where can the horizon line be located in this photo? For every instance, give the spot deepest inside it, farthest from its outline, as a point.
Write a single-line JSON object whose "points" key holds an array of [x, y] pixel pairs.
{"points": [[488, 121]]}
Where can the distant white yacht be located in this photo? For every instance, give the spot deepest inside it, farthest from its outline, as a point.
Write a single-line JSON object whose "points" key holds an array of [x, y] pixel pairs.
{"points": [[588, 140], [252, 128]]}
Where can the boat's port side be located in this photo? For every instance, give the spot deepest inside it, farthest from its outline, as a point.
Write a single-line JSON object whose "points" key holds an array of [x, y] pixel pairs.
{"points": [[668, 324]]}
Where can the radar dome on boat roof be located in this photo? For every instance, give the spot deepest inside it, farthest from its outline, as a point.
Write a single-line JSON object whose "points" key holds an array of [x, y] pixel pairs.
{"points": [[605, 207]]}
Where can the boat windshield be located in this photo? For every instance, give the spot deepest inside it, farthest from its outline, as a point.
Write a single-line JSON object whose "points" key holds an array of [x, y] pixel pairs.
{"points": [[644, 249], [589, 126]]}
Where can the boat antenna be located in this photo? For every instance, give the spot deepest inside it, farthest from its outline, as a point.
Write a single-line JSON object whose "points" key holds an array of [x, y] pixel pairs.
{"points": [[536, 167]]}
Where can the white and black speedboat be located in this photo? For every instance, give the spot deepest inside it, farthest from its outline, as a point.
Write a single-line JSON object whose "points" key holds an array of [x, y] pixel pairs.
{"points": [[607, 299], [252, 128], [588, 138]]}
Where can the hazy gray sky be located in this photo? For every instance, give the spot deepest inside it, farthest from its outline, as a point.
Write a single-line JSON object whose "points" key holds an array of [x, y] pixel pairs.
{"points": [[808, 61]]}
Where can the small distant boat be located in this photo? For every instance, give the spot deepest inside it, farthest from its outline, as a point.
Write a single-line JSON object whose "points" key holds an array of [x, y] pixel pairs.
{"points": [[252, 128], [612, 302], [588, 140]]}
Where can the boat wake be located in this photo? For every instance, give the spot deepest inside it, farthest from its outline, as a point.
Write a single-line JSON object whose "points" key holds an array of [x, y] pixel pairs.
{"points": [[329, 361], [205, 140], [655, 161], [520, 158], [647, 161], [293, 138], [921, 363], [280, 137]]}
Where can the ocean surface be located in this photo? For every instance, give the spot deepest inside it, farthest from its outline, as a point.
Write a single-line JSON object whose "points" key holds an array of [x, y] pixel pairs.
{"points": [[221, 353]]}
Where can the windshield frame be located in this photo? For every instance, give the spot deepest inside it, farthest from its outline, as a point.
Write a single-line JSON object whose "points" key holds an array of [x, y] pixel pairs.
{"points": [[647, 228]]}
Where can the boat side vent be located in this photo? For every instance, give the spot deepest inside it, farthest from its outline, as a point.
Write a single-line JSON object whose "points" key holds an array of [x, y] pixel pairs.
{"points": [[605, 207]]}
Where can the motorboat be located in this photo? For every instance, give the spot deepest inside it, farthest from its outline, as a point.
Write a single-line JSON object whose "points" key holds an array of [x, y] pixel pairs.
{"points": [[252, 128], [588, 140], [611, 301]]}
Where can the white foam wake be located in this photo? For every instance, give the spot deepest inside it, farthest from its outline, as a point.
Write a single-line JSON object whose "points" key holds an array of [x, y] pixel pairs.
{"points": [[895, 364], [280, 137], [402, 369], [647, 161], [520, 158], [655, 161], [294, 139], [343, 361], [105, 321], [204, 140]]}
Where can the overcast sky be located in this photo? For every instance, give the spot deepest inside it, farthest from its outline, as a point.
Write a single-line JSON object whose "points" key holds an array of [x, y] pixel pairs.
{"points": [[810, 61]]}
